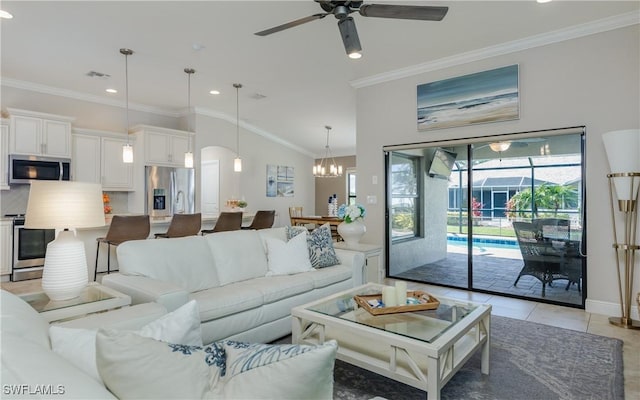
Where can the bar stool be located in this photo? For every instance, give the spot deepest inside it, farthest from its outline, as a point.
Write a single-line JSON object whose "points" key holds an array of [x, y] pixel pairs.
{"points": [[227, 221], [262, 220], [122, 229], [182, 225]]}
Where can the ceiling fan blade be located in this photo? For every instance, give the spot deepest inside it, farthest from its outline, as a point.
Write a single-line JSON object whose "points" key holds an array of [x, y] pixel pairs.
{"points": [[424, 13], [291, 24]]}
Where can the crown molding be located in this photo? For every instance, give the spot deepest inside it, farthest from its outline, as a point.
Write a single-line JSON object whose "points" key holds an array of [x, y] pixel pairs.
{"points": [[573, 32], [55, 91], [252, 128]]}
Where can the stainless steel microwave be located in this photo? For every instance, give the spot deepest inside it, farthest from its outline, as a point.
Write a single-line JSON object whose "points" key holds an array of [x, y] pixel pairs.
{"points": [[24, 169]]}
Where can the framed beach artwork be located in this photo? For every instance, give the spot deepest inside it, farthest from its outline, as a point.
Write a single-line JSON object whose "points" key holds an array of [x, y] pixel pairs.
{"points": [[280, 181], [482, 97]]}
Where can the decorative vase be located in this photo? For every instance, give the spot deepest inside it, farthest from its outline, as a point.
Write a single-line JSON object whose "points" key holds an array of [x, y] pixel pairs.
{"points": [[352, 232]]}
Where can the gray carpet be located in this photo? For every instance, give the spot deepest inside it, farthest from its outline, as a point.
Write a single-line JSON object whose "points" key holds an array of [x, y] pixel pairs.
{"points": [[529, 361]]}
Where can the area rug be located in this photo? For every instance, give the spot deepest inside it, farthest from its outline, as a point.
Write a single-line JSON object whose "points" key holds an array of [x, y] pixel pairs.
{"points": [[529, 361]]}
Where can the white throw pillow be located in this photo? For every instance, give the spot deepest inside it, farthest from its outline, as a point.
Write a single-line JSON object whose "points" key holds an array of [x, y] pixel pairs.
{"points": [[257, 371], [289, 257], [134, 367], [78, 346]]}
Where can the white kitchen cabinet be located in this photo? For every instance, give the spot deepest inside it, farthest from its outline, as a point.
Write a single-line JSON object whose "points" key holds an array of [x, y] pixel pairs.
{"points": [[97, 158], [4, 155], [6, 244], [163, 146], [39, 134]]}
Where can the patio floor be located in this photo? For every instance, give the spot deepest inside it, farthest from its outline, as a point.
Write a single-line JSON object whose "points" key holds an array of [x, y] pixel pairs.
{"points": [[491, 271]]}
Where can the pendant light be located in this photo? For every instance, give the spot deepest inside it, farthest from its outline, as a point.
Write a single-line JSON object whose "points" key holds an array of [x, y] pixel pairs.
{"points": [[188, 156], [127, 149], [237, 162], [327, 168]]}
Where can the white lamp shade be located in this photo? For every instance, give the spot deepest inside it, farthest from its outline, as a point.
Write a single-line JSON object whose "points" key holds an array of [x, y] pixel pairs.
{"points": [[64, 204], [237, 164], [623, 152], [188, 159], [127, 154]]}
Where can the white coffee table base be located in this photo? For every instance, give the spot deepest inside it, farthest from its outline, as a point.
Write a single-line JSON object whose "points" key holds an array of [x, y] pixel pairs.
{"points": [[426, 366]]}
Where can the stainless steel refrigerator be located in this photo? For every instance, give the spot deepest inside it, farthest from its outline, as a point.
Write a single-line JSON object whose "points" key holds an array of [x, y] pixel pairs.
{"points": [[169, 191]]}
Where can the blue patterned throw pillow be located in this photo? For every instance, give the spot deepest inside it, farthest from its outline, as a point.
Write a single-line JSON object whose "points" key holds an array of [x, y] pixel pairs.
{"points": [[320, 245]]}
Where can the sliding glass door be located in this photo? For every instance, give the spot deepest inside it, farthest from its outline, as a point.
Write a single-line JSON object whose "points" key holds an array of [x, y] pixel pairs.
{"points": [[501, 216]]}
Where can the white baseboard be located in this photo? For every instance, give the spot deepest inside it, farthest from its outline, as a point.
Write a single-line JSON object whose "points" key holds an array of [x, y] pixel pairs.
{"points": [[608, 308]]}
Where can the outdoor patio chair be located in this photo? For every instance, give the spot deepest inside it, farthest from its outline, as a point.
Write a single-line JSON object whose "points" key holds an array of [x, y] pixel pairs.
{"points": [[543, 259]]}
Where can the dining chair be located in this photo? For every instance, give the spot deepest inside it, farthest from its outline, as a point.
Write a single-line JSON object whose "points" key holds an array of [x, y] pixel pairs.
{"points": [[263, 220], [122, 229], [227, 221], [182, 225], [295, 212]]}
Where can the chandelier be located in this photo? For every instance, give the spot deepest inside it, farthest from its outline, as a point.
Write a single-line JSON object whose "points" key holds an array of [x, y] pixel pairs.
{"points": [[327, 167]]}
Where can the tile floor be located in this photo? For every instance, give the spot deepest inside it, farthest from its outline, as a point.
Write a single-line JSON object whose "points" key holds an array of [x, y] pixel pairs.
{"points": [[563, 317]]}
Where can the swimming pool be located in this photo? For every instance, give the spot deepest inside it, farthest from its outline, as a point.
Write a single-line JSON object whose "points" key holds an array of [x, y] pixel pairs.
{"points": [[482, 242]]}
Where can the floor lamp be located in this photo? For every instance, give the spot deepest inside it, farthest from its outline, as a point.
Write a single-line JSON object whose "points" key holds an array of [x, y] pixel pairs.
{"points": [[623, 152], [64, 206]]}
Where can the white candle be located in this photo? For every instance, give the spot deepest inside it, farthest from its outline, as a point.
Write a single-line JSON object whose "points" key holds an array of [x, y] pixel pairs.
{"points": [[401, 293], [389, 296]]}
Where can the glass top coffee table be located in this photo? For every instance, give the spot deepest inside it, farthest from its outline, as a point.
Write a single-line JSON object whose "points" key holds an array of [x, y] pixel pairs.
{"points": [[423, 349]]}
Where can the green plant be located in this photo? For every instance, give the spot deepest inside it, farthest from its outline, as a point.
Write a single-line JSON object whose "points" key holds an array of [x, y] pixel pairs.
{"points": [[242, 204]]}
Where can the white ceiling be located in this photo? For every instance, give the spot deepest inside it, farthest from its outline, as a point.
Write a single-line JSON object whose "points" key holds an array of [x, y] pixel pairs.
{"points": [[304, 72]]}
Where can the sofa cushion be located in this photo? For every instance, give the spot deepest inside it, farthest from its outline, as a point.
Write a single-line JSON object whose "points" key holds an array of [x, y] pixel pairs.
{"points": [[25, 362], [78, 346], [275, 288], [225, 300], [274, 233], [328, 276], [19, 318], [133, 367], [290, 257], [183, 261], [237, 255]]}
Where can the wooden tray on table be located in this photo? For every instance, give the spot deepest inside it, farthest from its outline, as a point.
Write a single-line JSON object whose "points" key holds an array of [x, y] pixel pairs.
{"points": [[427, 302]]}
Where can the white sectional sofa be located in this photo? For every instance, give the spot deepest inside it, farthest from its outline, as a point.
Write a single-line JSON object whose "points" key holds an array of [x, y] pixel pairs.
{"points": [[227, 273]]}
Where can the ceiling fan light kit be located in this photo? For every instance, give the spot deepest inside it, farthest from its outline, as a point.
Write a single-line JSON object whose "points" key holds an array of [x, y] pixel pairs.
{"points": [[499, 147], [342, 9]]}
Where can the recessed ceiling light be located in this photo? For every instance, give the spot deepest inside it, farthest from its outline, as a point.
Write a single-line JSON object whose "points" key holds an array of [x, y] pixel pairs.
{"points": [[111, 90], [214, 92], [543, 1], [5, 14]]}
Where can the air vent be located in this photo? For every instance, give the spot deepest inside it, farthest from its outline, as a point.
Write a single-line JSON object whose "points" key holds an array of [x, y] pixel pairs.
{"points": [[96, 74]]}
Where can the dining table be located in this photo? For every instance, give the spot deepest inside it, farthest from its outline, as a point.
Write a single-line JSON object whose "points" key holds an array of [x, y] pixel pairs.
{"points": [[316, 219]]}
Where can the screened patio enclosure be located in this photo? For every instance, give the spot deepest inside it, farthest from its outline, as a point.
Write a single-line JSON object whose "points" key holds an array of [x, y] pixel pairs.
{"points": [[453, 209]]}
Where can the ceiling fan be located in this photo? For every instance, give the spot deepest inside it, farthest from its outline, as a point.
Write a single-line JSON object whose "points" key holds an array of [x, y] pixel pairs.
{"points": [[342, 10]]}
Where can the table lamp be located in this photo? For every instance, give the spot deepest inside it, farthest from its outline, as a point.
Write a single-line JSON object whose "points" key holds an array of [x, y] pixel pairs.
{"points": [[623, 151], [64, 205]]}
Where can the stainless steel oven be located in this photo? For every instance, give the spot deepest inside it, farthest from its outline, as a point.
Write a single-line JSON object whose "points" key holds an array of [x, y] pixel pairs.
{"points": [[29, 248]]}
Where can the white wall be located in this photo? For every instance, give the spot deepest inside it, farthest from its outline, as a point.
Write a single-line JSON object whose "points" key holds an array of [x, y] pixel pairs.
{"points": [[256, 152], [592, 81]]}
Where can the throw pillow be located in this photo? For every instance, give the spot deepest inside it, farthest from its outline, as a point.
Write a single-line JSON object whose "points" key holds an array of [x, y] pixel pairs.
{"points": [[78, 346], [288, 257], [278, 371], [320, 245], [292, 231], [134, 367], [321, 251]]}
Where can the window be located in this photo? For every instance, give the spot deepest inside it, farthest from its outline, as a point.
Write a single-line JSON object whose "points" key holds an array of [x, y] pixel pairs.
{"points": [[405, 199], [351, 186]]}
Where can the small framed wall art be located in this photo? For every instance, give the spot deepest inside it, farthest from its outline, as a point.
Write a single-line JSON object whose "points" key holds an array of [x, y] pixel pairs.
{"points": [[280, 181], [481, 97]]}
